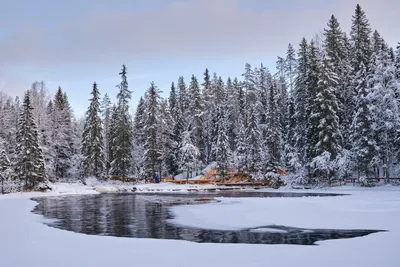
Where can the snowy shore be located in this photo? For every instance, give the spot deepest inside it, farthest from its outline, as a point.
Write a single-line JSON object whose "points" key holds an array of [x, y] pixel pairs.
{"points": [[26, 242]]}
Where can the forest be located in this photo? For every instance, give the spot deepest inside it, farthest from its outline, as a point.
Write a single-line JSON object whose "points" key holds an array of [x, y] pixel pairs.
{"points": [[330, 109]]}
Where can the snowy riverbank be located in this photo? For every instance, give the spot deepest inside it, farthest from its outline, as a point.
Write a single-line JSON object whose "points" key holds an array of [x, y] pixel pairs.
{"points": [[25, 241]]}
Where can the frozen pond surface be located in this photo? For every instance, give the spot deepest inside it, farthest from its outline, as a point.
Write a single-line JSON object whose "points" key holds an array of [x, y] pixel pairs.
{"points": [[148, 216]]}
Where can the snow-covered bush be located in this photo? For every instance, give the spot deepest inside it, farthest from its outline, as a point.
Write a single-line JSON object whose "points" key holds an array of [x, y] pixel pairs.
{"points": [[298, 178]]}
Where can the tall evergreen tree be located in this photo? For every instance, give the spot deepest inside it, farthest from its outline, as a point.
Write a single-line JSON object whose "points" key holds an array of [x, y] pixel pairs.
{"points": [[138, 122], [183, 97], [197, 116], [360, 37], [92, 138], [328, 138], [123, 139], [273, 136], [29, 165], [363, 136], [189, 154], [62, 134], [223, 150], [106, 117], [313, 78], [385, 108], [291, 66], [397, 61], [5, 169], [152, 151], [300, 99]]}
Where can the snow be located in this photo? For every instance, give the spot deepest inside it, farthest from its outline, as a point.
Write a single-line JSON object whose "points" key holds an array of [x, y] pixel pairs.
{"points": [[26, 241]]}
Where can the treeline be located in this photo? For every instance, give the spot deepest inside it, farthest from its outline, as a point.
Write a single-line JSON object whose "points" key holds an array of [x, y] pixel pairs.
{"points": [[331, 110], [39, 139]]}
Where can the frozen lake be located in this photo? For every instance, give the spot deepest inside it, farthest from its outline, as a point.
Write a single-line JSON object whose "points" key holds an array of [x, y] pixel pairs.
{"points": [[150, 216]]}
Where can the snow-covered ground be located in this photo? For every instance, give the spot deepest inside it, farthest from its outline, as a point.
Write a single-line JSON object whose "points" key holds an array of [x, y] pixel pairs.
{"points": [[26, 242]]}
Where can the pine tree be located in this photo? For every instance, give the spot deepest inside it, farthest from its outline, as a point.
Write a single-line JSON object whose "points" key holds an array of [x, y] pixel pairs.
{"points": [[173, 98], [5, 168], [324, 117], [223, 151], [183, 97], [263, 109], [176, 142], [176, 134], [281, 68], [232, 112], [165, 137], [138, 122], [273, 135], [313, 78], [363, 136], [106, 117], [360, 40], [197, 115], [291, 65], [397, 61], [253, 144], [123, 135], [189, 154], [290, 155], [29, 165], [92, 138], [337, 55], [208, 114], [385, 107], [300, 99], [114, 134], [241, 146], [152, 151], [62, 134]]}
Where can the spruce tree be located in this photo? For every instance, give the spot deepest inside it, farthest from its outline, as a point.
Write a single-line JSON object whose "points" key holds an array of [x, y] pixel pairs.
{"points": [[138, 122], [241, 146], [106, 117], [291, 65], [152, 147], [196, 115], [360, 37], [328, 138], [273, 135], [183, 97], [313, 78], [337, 55], [290, 155], [385, 108], [176, 142], [223, 150], [165, 136], [300, 99], [29, 165], [123, 135], [364, 146], [92, 138], [62, 134], [173, 98], [189, 155], [397, 61], [5, 169]]}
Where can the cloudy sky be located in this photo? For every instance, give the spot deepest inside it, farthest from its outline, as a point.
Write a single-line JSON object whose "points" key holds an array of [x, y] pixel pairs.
{"points": [[74, 43]]}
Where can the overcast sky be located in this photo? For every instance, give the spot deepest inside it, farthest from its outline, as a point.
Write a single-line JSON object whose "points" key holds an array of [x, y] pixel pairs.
{"points": [[76, 42]]}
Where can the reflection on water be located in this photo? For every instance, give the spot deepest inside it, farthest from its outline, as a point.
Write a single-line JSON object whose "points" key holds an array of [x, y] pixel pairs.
{"points": [[145, 216]]}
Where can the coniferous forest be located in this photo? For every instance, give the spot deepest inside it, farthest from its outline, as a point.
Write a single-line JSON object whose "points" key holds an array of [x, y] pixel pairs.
{"points": [[330, 110]]}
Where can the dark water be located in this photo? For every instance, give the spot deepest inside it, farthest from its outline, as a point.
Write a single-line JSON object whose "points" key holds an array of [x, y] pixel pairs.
{"points": [[145, 216]]}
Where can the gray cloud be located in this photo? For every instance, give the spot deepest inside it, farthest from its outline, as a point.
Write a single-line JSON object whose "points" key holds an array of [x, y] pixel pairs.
{"points": [[202, 29]]}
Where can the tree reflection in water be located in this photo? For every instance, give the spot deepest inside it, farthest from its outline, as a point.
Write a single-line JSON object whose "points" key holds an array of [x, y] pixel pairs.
{"points": [[145, 216]]}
